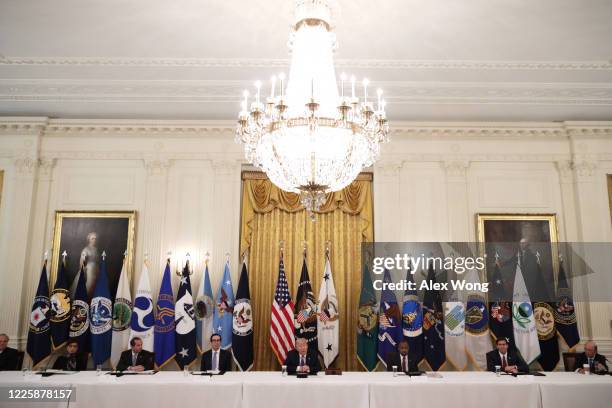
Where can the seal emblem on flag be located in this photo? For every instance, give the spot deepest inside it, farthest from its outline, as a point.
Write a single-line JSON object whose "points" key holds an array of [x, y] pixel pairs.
{"points": [[367, 319], [79, 323], [522, 313], [545, 320], [60, 305], [204, 307], [475, 315], [122, 314], [412, 318], [39, 322], [101, 315], [242, 318]]}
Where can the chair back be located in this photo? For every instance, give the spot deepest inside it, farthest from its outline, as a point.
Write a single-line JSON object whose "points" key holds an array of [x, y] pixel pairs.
{"points": [[20, 356], [569, 361]]}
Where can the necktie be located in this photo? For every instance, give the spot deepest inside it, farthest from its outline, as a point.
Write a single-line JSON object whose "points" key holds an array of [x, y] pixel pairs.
{"points": [[71, 366], [590, 362], [214, 360], [404, 368], [134, 358], [504, 362], [302, 362]]}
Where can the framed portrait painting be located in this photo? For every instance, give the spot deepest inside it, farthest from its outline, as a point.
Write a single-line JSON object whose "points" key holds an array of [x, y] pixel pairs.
{"points": [[527, 240], [84, 236]]}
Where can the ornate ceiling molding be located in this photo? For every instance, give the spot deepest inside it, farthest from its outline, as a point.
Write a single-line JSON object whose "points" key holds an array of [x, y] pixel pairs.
{"points": [[282, 62], [228, 91]]}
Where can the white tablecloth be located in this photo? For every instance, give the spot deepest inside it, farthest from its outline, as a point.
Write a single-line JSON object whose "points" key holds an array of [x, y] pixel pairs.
{"points": [[269, 390], [163, 390], [573, 390], [353, 390], [469, 389]]}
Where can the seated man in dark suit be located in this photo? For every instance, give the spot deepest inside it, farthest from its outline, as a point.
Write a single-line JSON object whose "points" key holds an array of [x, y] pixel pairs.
{"points": [[8, 355], [216, 359], [73, 360], [136, 359], [596, 362], [510, 361], [401, 360], [302, 360]]}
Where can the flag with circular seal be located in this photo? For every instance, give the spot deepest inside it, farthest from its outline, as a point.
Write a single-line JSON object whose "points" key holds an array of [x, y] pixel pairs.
{"points": [[79, 315], [164, 336], [60, 308], [122, 315], [367, 323], [412, 319], [39, 335], [523, 321], [544, 315], [204, 306], [477, 341], [328, 323], [143, 320], [565, 314], [242, 324], [101, 317]]}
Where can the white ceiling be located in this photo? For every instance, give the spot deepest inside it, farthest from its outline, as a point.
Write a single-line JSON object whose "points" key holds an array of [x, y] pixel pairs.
{"points": [[488, 60]]}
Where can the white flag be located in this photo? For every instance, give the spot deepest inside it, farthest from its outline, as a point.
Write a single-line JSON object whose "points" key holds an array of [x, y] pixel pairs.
{"points": [[454, 331], [523, 321], [122, 314], [204, 306], [477, 341], [328, 323], [143, 319]]}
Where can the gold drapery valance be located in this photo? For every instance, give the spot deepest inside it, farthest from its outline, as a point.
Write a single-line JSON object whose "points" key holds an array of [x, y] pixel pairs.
{"points": [[259, 195], [270, 215]]}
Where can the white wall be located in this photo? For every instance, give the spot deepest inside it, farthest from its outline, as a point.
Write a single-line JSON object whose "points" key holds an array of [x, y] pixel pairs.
{"points": [[183, 179]]}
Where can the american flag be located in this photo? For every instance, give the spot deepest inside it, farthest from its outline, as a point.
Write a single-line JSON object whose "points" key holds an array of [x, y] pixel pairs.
{"points": [[302, 315], [282, 338]]}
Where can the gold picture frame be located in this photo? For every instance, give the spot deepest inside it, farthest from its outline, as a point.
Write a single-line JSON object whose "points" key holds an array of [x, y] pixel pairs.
{"points": [[74, 233], [509, 229]]}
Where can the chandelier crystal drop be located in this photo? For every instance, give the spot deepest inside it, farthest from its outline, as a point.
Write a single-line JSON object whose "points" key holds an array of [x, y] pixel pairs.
{"points": [[308, 136]]}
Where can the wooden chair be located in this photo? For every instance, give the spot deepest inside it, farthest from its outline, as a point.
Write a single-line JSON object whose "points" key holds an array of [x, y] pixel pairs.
{"points": [[569, 361]]}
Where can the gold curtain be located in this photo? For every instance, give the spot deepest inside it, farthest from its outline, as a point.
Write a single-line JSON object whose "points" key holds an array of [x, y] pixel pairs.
{"points": [[270, 215]]}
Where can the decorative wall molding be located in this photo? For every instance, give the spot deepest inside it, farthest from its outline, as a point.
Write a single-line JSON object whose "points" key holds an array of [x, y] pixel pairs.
{"points": [[456, 168], [33, 126], [46, 165], [388, 168], [26, 165], [157, 167], [565, 168], [225, 91], [479, 130], [585, 167], [283, 62], [225, 167], [149, 128]]}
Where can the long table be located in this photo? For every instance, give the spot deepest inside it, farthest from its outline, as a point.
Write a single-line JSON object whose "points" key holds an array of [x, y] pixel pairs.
{"points": [[352, 389]]}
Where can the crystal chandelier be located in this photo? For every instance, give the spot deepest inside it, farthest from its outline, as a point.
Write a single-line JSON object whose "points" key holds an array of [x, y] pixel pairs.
{"points": [[312, 138]]}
